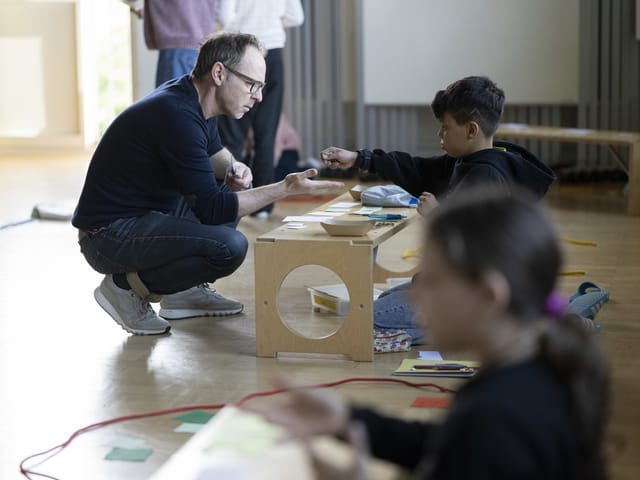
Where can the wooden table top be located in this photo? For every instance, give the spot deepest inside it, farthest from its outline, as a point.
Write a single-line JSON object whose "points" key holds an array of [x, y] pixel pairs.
{"points": [[314, 232]]}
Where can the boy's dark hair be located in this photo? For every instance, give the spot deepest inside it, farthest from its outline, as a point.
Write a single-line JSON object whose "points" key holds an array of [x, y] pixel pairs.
{"points": [[483, 230], [226, 48], [475, 99]]}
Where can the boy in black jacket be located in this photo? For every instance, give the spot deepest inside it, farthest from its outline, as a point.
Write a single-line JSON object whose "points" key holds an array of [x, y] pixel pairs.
{"points": [[469, 111]]}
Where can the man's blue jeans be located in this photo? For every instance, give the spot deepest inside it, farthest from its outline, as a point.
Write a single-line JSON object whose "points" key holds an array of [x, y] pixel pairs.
{"points": [[393, 310], [174, 62], [170, 252]]}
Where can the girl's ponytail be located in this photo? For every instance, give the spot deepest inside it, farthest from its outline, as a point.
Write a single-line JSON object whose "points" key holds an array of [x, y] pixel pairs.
{"points": [[572, 353]]}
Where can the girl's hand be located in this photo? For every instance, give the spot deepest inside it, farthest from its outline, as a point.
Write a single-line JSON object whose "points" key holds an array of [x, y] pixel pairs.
{"points": [[356, 436], [305, 412]]}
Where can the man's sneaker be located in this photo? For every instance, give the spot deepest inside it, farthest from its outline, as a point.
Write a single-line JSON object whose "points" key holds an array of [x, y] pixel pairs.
{"points": [[199, 301], [262, 215], [131, 312]]}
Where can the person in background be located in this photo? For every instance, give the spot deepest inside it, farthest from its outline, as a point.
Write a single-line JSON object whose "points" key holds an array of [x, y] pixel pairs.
{"points": [[469, 111], [267, 20], [538, 406], [287, 147], [175, 28]]}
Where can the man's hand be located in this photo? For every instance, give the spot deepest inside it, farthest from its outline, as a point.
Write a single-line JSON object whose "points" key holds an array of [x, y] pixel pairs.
{"points": [[293, 184], [300, 183], [334, 157], [426, 203], [238, 177]]}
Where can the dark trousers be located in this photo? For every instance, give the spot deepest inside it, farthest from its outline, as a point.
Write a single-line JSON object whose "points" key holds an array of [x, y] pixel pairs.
{"points": [[170, 252], [263, 119]]}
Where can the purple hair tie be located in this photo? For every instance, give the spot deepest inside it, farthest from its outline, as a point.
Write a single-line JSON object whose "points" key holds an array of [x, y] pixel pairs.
{"points": [[556, 305]]}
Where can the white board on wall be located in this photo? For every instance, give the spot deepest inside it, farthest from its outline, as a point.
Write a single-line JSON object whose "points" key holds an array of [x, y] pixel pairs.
{"points": [[413, 48]]}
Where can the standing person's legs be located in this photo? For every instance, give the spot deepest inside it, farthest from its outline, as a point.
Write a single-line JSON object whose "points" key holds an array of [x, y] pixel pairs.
{"points": [[233, 132], [174, 62], [265, 123]]}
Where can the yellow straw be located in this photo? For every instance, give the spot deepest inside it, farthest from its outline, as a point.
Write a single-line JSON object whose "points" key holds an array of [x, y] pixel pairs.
{"points": [[411, 252], [586, 243], [573, 272]]}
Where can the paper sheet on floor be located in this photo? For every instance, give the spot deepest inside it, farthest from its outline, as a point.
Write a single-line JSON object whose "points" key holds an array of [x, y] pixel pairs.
{"points": [[54, 210], [189, 427], [432, 402], [430, 355], [195, 416], [129, 454]]}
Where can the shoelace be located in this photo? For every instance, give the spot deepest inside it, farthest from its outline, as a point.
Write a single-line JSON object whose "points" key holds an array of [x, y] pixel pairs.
{"points": [[206, 288], [144, 308]]}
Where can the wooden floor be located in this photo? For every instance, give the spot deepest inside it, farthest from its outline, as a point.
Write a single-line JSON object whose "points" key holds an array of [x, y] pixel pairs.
{"points": [[65, 364]]}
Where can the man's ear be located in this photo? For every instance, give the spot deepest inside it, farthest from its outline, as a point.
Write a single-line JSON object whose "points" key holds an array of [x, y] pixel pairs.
{"points": [[218, 73], [497, 291], [473, 129]]}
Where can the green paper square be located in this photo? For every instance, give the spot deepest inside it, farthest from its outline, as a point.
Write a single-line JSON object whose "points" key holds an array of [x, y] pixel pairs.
{"points": [[129, 454], [196, 416]]}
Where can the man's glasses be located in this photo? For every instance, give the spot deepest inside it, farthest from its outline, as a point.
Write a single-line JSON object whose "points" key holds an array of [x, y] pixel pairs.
{"points": [[254, 85]]}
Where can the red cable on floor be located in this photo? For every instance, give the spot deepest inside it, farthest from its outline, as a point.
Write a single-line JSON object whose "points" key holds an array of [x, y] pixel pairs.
{"points": [[26, 471], [349, 380]]}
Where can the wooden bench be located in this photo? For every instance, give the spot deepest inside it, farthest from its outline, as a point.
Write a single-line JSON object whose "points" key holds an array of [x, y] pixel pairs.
{"points": [[631, 140], [279, 252]]}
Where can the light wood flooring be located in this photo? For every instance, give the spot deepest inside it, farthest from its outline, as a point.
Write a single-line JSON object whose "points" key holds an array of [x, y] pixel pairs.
{"points": [[65, 364]]}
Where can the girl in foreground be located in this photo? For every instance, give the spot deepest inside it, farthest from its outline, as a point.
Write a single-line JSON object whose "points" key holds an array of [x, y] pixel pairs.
{"points": [[538, 407]]}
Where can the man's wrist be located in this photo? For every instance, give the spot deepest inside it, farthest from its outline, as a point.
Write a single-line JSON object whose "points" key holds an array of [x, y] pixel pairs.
{"points": [[281, 189]]}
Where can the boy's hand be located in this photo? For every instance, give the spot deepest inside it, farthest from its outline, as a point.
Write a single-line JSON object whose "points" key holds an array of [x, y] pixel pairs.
{"points": [[426, 203], [301, 184], [334, 157]]}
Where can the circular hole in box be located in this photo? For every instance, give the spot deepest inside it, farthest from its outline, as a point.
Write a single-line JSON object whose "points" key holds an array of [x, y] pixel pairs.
{"points": [[313, 301]]}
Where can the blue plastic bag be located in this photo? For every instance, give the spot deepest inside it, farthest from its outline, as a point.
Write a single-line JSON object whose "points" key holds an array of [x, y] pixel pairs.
{"points": [[388, 196]]}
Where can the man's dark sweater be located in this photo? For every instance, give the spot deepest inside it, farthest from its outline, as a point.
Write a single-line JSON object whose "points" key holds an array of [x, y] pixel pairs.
{"points": [[509, 423], [155, 152], [505, 164]]}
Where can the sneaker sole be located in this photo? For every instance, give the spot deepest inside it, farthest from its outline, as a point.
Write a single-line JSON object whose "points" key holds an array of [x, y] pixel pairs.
{"points": [[107, 307], [177, 314]]}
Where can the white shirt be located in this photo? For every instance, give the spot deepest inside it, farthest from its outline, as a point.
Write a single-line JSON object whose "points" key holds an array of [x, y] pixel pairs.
{"points": [[266, 19]]}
